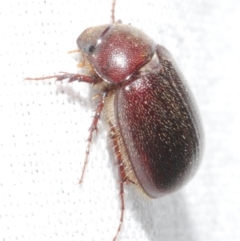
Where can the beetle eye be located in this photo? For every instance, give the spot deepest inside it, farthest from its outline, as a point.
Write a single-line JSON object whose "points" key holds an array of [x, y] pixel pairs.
{"points": [[91, 48]]}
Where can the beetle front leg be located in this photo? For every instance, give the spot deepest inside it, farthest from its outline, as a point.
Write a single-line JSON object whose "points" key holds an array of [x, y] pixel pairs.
{"points": [[70, 77]]}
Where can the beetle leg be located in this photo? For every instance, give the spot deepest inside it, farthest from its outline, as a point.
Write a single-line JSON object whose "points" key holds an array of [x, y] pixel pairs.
{"points": [[93, 128], [122, 175], [121, 183], [70, 77], [122, 171], [113, 11]]}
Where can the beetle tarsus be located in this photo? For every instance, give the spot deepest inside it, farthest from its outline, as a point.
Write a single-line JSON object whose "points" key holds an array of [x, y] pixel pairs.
{"points": [[123, 177], [70, 77], [122, 209]]}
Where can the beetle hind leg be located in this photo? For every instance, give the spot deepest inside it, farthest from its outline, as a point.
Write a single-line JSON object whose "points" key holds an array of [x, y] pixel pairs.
{"points": [[122, 175]]}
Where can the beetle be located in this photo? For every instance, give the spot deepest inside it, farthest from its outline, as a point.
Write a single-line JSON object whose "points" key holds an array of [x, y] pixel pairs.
{"points": [[153, 121]]}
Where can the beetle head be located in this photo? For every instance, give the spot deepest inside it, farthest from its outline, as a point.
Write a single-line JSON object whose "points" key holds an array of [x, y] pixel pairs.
{"points": [[116, 51]]}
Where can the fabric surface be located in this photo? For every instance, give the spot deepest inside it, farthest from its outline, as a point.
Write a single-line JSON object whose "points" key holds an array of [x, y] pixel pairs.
{"points": [[44, 125]]}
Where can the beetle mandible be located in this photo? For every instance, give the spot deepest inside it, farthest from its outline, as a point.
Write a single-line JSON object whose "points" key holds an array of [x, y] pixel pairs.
{"points": [[154, 125]]}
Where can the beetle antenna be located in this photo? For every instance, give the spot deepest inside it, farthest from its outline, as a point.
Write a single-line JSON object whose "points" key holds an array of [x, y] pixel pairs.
{"points": [[113, 11]]}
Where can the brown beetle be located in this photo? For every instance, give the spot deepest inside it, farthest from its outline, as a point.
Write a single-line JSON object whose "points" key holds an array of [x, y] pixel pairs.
{"points": [[154, 126]]}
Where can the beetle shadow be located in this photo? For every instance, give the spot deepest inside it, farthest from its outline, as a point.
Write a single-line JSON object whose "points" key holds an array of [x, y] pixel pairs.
{"points": [[82, 96], [72, 94], [165, 218]]}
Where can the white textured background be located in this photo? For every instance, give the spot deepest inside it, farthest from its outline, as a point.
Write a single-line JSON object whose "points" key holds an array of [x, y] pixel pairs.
{"points": [[43, 126]]}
